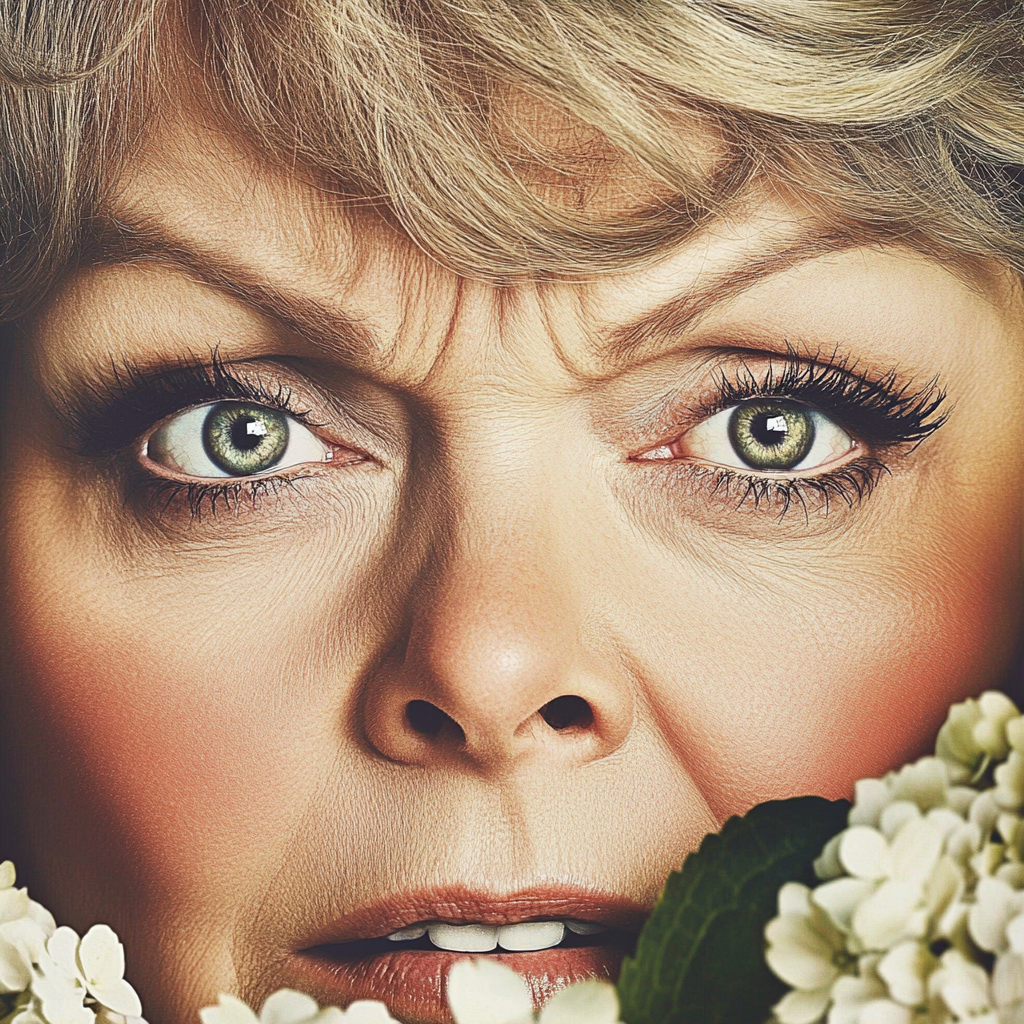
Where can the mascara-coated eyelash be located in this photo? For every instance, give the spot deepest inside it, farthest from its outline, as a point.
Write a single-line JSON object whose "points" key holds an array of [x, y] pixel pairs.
{"points": [[880, 413], [117, 414]]}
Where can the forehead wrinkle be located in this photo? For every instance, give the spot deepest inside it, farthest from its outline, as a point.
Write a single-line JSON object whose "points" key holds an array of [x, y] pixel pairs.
{"points": [[338, 333], [667, 323]]}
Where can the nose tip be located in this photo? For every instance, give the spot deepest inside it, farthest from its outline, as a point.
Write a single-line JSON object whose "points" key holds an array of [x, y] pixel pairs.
{"points": [[494, 700]]}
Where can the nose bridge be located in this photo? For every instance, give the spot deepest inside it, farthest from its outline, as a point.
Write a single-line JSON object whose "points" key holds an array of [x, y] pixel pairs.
{"points": [[496, 624]]}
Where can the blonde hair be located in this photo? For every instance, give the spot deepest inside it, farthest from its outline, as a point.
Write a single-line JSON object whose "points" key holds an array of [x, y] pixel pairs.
{"points": [[895, 119]]}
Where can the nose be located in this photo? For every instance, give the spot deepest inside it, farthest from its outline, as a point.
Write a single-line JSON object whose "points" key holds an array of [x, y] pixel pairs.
{"points": [[498, 664]]}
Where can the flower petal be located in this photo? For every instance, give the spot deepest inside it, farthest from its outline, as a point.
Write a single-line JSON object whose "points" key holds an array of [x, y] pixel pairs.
{"points": [[794, 898], [799, 954], [915, 850], [14, 904], [586, 1002], [905, 969], [896, 815], [996, 904], [119, 996], [864, 853], [965, 989], [362, 1011], [229, 1010], [871, 797], [1008, 979], [885, 1011], [802, 1007], [62, 947], [885, 917], [101, 959], [286, 1006], [839, 899], [485, 992]]}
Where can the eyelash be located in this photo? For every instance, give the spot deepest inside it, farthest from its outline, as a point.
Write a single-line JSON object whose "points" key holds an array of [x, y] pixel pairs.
{"points": [[118, 414], [884, 413]]}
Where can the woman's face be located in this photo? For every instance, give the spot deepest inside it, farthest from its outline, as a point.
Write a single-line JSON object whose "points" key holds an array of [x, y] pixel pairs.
{"points": [[472, 604]]}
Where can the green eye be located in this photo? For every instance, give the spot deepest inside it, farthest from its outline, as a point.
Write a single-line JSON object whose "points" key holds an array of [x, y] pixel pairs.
{"points": [[771, 435], [243, 439]]}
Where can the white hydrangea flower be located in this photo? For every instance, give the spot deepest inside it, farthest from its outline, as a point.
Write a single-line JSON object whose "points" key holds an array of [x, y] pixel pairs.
{"points": [[906, 885], [483, 991], [932, 862], [966, 989], [925, 784], [286, 1006], [864, 999], [807, 951], [976, 733], [24, 928]]}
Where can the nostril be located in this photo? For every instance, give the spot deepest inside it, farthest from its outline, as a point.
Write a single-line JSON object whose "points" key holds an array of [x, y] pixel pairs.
{"points": [[429, 720], [567, 711]]}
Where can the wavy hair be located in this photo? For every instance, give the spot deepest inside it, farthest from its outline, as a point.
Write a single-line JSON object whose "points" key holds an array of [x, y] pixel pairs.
{"points": [[896, 119]]}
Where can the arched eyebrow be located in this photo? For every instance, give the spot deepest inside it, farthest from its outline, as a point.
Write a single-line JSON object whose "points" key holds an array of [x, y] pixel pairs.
{"points": [[350, 339], [345, 336], [662, 327]]}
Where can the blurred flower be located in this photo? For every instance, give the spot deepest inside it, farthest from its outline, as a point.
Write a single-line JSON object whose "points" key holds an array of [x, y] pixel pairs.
{"points": [[286, 1006], [483, 991]]}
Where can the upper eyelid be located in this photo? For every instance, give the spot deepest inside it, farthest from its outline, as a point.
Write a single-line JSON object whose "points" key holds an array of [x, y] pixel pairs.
{"points": [[131, 403], [875, 421]]}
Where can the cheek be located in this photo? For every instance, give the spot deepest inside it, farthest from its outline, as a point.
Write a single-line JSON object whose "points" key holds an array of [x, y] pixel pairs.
{"points": [[167, 752], [814, 680]]}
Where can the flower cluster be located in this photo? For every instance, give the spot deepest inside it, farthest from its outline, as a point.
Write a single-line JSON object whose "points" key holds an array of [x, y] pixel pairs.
{"points": [[48, 975], [919, 917], [479, 992]]}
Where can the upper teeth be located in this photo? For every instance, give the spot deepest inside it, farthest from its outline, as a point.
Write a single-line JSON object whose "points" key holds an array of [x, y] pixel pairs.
{"points": [[482, 938]]}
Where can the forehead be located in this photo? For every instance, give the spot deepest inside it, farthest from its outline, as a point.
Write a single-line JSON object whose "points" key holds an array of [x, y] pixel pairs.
{"points": [[341, 274]]}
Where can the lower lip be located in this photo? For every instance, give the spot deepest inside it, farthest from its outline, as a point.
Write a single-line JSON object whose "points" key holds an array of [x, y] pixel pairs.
{"points": [[412, 983]]}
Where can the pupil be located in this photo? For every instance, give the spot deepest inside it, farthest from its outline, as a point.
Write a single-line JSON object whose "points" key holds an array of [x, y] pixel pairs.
{"points": [[247, 434], [769, 429]]}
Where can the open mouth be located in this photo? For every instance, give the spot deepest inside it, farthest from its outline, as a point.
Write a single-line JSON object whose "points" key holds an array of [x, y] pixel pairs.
{"points": [[407, 966], [522, 937]]}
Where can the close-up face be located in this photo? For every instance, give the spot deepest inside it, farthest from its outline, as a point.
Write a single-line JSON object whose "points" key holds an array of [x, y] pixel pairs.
{"points": [[347, 596]]}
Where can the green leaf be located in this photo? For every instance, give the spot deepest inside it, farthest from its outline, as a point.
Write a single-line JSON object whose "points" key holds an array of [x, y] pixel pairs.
{"points": [[700, 957]]}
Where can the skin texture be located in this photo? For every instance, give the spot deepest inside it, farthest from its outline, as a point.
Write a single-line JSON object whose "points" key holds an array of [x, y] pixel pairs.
{"points": [[205, 710]]}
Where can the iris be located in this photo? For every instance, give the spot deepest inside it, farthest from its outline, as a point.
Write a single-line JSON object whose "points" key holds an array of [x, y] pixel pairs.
{"points": [[244, 439], [771, 435]]}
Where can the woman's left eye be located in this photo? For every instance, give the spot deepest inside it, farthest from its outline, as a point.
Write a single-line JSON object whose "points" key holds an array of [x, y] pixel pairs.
{"points": [[233, 439], [766, 435]]}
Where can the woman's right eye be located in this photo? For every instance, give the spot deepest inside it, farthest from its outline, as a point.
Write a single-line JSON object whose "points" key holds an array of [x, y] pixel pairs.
{"points": [[233, 439]]}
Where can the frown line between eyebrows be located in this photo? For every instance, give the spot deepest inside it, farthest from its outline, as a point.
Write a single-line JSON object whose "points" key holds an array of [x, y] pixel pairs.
{"points": [[342, 336]]}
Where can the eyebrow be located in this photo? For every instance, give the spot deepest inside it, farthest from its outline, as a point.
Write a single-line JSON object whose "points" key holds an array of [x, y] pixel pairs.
{"points": [[113, 242], [665, 325]]}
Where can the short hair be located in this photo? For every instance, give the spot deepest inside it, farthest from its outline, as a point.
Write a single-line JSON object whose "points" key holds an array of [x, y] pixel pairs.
{"points": [[895, 119]]}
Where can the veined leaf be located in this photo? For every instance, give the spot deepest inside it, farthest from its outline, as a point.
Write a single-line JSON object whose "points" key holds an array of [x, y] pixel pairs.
{"points": [[700, 957]]}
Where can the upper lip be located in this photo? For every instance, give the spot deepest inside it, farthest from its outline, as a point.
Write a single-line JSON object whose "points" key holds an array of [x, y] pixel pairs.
{"points": [[462, 905]]}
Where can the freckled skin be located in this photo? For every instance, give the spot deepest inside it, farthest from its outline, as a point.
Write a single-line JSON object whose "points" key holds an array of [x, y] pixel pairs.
{"points": [[204, 735]]}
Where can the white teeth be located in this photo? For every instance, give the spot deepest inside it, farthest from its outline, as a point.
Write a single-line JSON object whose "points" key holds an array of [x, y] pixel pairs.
{"points": [[517, 938], [585, 927], [464, 938], [482, 938]]}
